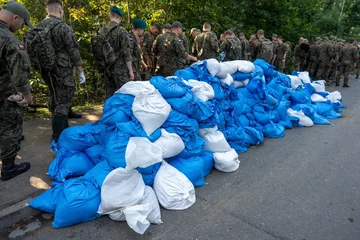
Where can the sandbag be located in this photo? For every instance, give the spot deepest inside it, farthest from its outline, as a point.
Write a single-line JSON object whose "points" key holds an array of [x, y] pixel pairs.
{"points": [[48, 200], [186, 74], [226, 68], [122, 102], [227, 80], [295, 81], [209, 163], [170, 143], [116, 148], [226, 161], [95, 153], [317, 98], [303, 120], [76, 138], [319, 85], [245, 66], [148, 174], [238, 84], [272, 130], [136, 88], [192, 168], [214, 140], [172, 188], [240, 76], [134, 129], [170, 87], [202, 90], [266, 67], [334, 97], [213, 66], [98, 173], [304, 76]]}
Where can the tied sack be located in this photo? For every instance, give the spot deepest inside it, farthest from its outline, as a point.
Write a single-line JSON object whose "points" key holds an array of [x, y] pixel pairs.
{"points": [[226, 161], [170, 143]]}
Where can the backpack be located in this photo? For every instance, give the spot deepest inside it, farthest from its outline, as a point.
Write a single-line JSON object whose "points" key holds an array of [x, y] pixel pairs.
{"points": [[235, 51], [39, 46], [102, 50], [267, 50]]}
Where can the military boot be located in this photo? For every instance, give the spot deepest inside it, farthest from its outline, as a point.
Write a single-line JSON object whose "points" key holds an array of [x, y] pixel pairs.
{"points": [[74, 114], [10, 171]]}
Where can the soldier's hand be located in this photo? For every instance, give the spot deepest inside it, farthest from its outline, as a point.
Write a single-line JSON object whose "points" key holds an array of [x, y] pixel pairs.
{"points": [[131, 76], [82, 78], [27, 99]]}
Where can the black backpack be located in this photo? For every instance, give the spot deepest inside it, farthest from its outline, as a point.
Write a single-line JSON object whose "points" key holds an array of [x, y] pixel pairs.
{"points": [[267, 50]]}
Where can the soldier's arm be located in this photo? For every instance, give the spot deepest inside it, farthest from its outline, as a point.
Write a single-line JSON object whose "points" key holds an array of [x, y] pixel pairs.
{"points": [[155, 47], [124, 49], [180, 50], [147, 43], [214, 42], [69, 40]]}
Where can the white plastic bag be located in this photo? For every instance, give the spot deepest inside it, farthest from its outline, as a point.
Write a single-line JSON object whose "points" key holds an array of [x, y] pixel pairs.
{"points": [[303, 119], [228, 80], [213, 66], [226, 68], [319, 85], [245, 66], [137, 87], [226, 161], [238, 84], [214, 140], [334, 97], [202, 90], [151, 110], [120, 189], [304, 76], [295, 81], [317, 98], [170, 143], [140, 152], [172, 188]]}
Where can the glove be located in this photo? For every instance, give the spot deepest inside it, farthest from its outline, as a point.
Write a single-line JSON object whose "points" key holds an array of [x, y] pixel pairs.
{"points": [[82, 78]]}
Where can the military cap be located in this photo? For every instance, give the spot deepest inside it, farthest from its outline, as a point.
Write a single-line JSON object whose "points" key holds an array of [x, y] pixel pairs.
{"points": [[252, 38], [53, 1], [241, 34], [19, 9], [331, 38], [167, 26], [228, 32], [288, 42], [193, 30], [325, 38], [260, 31], [274, 35], [177, 24], [138, 23], [115, 9], [318, 39]]}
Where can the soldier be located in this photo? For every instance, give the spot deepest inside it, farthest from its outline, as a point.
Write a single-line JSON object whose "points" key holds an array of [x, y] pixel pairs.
{"points": [[280, 55], [174, 51], [231, 47], [358, 62], [206, 44], [60, 78], [348, 57], [263, 48], [149, 37], [288, 58], [193, 33], [300, 55], [121, 71], [186, 42], [335, 60], [244, 46], [14, 75], [274, 40], [158, 49], [136, 33], [314, 57], [326, 54]]}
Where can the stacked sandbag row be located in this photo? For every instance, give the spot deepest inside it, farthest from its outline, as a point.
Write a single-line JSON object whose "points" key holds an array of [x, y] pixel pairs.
{"points": [[159, 139]]}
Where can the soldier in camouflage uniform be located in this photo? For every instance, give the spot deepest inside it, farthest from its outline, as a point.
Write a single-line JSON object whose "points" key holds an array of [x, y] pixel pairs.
{"points": [[263, 48], [149, 37], [186, 43], [244, 46], [206, 44], [174, 51], [326, 55], [60, 79], [314, 57], [14, 75], [288, 58], [335, 60], [348, 57], [193, 33], [274, 40], [280, 55], [231, 47], [158, 49], [301, 55], [135, 49]]}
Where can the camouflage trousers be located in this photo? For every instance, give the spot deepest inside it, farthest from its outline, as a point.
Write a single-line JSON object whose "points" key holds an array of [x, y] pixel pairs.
{"points": [[312, 68], [300, 65], [334, 69], [280, 66], [323, 71], [115, 76], [11, 121], [345, 70]]}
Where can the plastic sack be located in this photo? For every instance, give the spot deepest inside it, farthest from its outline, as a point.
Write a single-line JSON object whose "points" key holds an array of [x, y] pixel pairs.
{"points": [[95, 153], [228, 80], [151, 110], [238, 84], [303, 119], [136, 88], [116, 148], [214, 140], [120, 189], [317, 98], [240, 76], [272, 130], [213, 66], [100, 131], [140, 152], [295, 81], [245, 66], [304, 76], [186, 74], [119, 102], [134, 129], [261, 115], [192, 168], [98, 173], [319, 85], [172, 188], [266, 67], [170, 143], [226, 68], [48, 200], [334, 97], [226, 161], [209, 163], [148, 174], [78, 203], [76, 138], [169, 87], [69, 164], [202, 90]]}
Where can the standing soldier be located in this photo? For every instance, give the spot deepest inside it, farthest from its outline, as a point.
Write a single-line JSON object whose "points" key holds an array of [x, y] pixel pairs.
{"points": [[288, 58], [193, 33], [348, 57], [274, 40], [263, 48], [174, 51], [300, 55], [149, 37], [314, 57], [136, 33], [335, 60], [280, 55], [14, 78], [326, 54], [231, 47], [186, 42], [158, 49], [244, 46], [206, 44]]}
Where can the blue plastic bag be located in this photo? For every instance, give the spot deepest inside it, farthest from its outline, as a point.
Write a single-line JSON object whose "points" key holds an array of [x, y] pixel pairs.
{"points": [[116, 149], [186, 74], [48, 200], [215, 84], [101, 132], [253, 136], [272, 130], [209, 163], [76, 138], [169, 87], [239, 76], [181, 124], [95, 153], [148, 174], [121, 102], [98, 173], [134, 129], [261, 115], [257, 86], [266, 67], [192, 168]]}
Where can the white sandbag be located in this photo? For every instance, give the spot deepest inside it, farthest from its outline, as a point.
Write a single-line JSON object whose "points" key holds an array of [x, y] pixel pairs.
{"points": [[228, 80], [173, 189], [245, 66], [295, 81], [304, 76], [140, 152], [136, 87], [317, 98], [202, 90], [303, 119], [214, 140], [334, 97], [213, 66], [226, 161], [319, 85], [151, 110], [120, 189], [170, 143], [238, 84], [226, 68]]}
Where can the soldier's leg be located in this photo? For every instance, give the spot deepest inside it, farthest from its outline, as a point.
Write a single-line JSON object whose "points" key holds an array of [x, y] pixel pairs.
{"points": [[110, 85], [346, 71], [319, 74], [338, 76], [357, 71]]}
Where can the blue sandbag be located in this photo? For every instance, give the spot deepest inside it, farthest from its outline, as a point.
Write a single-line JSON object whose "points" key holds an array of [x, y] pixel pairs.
{"points": [[76, 138], [248, 98], [78, 203], [234, 134], [100, 131], [215, 84], [327, 110], [239, 76], [318, 119], [261, 115], [257, 86], [181, 124], [259, 71], [253, 136], [192, 168], [114, 116], [299, 96], [239, 145], [48, 200], [274, 116], [272, 130], [267, 68], [275, 89], [169, 87], [95, 153], [186, 74], [148, 174], [208, 159], [194, 145], [121, 102], [98, 173], [134, 129], [69, 164], [116, 148], [230, 93], [286, 123]]}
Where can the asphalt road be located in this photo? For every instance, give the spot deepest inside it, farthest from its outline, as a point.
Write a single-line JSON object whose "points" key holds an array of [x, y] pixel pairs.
{"points": [[303, 186]]}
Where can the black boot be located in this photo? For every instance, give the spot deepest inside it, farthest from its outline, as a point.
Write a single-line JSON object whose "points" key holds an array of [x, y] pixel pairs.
{"points": [[10, 171], [59, 123], [74, 114]]}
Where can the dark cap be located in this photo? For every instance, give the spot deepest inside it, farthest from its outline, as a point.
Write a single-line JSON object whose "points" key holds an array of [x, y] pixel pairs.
{"points": [[325, 38], [260, 31], [241, 34], [177, 24], [138, 23], [167, 26], [274, 35], [228, 32], [19, 9], [115, 9], [318, 39]]}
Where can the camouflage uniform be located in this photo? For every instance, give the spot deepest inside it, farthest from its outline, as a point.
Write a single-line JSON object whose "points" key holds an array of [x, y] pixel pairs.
{"points": [[206, 45], [159, 52], [326, 54], [288, 61], [348, 57], [335, 63], [313, 59], [281, 51], [245, 49], [117, 74], [300, 58], [148, 40], [174, 54], [14, 75], [186, 43], [232, 49], [259, 50], [135, 51]]}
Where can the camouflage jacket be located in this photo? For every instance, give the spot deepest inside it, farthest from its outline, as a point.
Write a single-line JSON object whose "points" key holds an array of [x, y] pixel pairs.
{"points": [[135, 51], [15, 64], [245, 48], [174, 52], [232, 49], [147, 43], [348, 55], [158, 48], [280, 52], [206, 45], [314, 52], [326, 52]]}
